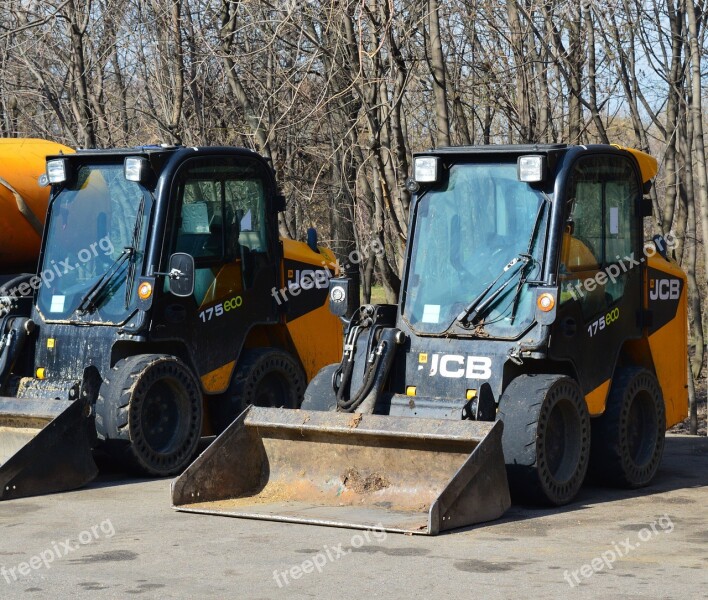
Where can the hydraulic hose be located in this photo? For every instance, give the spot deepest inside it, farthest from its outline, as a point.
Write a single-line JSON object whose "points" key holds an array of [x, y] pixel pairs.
{"points": [[353, 403], [11, 345], [381, 340], [363, 320]]}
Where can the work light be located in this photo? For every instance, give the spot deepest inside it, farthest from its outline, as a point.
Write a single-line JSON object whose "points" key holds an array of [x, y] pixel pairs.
{"points": [[56, 170], [531, 169], [425, 169], [135, 168]]}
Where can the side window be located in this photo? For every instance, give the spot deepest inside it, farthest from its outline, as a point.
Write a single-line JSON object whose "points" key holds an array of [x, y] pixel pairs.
{"points": [[585, 227], [245, 207], [620, 202], [199, 234], [602, 196]]}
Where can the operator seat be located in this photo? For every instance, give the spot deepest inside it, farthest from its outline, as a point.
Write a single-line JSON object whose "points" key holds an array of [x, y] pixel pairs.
{"points": [[576, 256], [228, 279], [578, 263]]}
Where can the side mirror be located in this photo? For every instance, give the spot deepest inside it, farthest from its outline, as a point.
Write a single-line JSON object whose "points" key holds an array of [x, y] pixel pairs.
{"points": [[342, 302], [181, 275]]}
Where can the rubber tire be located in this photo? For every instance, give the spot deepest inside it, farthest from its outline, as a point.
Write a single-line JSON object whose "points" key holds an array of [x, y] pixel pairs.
{"points": [[526, 408], [283, 373], [612, 460], [121, 416], [320, 395]]}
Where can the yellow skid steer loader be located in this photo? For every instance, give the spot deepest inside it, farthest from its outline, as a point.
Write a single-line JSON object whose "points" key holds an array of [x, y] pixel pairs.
{"points": [[156, 313], [536, 329]]}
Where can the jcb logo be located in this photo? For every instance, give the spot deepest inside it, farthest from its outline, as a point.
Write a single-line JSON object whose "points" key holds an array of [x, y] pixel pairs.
{"points": [[664, 289], [308, 278], [456, 366]]}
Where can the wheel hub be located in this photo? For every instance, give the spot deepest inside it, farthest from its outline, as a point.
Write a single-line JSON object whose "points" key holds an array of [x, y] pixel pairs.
{"points": [[161, 416]]}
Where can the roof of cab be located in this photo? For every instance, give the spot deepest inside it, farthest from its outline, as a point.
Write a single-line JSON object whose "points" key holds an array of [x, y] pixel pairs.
{"points": [[158, 149], [647, 164]]}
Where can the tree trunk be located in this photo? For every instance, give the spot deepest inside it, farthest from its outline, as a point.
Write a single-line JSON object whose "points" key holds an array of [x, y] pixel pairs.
{"points": [[78, 22], [437, 69], [696, 114]]}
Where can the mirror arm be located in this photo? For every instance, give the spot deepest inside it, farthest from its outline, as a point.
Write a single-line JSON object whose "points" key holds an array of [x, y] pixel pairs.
{"points": [[173, 274]]}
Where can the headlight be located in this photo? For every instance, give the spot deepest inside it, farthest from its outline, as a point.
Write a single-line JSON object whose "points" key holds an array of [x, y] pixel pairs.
{"points": [[56, 170], [531, 169], [136, 169], [425, 169]]}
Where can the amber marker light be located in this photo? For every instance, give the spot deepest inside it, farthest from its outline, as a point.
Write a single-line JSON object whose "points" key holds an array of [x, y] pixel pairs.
{"points": [[145, 290], [546, 302]]}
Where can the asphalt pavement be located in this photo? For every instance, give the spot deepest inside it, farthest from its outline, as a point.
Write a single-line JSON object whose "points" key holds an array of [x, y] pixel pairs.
{"points": [[119, 538]]}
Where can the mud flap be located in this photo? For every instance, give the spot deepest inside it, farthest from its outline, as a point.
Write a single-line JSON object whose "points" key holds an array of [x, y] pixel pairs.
{"points": [[45, 447], [401, 474]]}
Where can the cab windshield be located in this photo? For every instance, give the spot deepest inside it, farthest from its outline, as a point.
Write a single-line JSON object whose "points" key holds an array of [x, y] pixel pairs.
{"points": [[465, 233], [95, 244]]}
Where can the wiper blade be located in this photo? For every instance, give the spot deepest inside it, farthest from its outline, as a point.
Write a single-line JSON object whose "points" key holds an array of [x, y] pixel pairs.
{"points": [[541, 211], [134, 243], [480, 304], [88, 302]]}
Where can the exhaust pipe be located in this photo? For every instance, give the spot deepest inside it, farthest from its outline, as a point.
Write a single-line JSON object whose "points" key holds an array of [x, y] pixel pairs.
{"points": [[403, 474]]}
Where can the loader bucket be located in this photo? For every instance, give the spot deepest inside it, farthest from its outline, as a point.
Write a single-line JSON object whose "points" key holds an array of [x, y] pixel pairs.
{"points": [[44, 447], [400, 474]]}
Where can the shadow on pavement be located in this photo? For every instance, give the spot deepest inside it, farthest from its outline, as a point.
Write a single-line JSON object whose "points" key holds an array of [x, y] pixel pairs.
{"points": [[112, 473], [684, 466]]}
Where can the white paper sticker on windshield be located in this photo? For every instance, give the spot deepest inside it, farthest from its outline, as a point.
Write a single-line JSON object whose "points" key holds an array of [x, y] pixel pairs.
{"points": [[614, 220], [246, 222], [57, 304], [431, 313]]}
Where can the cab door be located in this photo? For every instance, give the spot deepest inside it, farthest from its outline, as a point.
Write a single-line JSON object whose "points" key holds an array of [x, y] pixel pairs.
{"points": [[601, 270], [222, 216]]}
